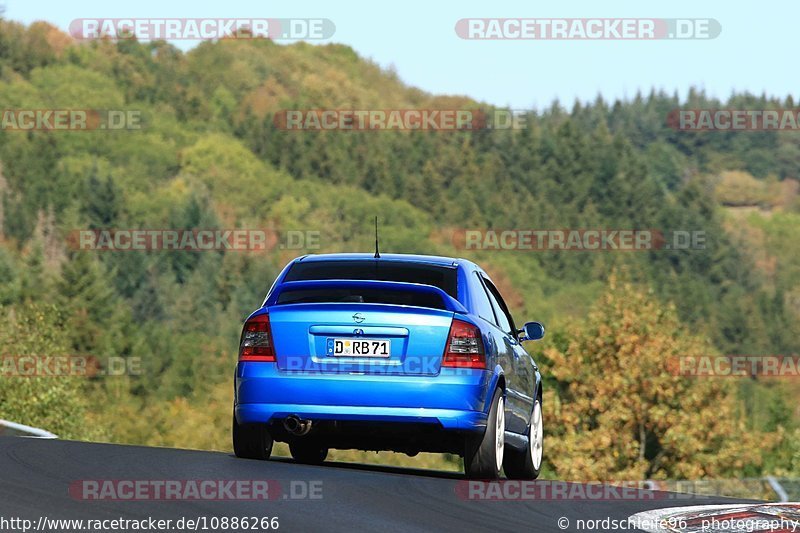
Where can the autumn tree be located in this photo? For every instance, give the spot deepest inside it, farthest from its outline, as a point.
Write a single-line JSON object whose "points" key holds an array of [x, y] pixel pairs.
{"points": [[620, 411]]}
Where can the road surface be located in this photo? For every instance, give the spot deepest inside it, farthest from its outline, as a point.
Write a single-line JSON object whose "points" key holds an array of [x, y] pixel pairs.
{"points": [[52, 479]]}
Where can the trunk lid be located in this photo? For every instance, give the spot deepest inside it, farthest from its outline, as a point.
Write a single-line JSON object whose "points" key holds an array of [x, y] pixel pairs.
{"points": [[306, 326]]}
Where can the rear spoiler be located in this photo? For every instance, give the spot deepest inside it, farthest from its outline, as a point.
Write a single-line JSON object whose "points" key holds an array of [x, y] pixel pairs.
{"points": [[450, 303]]}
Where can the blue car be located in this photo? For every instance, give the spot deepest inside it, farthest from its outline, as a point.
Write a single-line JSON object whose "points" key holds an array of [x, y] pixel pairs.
{"points": [[407, 353]]}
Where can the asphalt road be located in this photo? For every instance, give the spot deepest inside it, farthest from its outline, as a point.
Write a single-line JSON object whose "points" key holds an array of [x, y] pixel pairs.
{"points": [[36, 476]]}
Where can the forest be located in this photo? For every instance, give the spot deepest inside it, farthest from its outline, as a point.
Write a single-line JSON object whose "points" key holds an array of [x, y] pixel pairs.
{"points": [[208, 153]]}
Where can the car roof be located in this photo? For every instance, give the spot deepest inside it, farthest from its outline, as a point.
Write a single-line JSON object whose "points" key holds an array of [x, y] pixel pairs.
{"points": [[412, 258]]}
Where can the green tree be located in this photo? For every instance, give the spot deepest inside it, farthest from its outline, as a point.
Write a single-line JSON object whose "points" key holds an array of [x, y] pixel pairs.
{"points": [[57, 403]]}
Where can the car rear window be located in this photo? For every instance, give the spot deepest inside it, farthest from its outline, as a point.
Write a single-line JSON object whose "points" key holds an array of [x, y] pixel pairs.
{"points": [[360, 295], [438, 276]]}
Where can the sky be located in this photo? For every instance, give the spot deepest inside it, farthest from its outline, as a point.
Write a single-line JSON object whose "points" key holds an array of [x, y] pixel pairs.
{"points": [[756, 50]]}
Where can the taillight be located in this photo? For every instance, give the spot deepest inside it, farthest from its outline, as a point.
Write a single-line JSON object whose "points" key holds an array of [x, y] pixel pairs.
{"points": [[464, 346], [256, 342]]}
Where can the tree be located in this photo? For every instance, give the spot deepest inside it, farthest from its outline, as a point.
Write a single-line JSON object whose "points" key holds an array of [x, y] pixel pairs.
{"points": [[102, 204], [89, 300], [621, 412], [56, 403]]}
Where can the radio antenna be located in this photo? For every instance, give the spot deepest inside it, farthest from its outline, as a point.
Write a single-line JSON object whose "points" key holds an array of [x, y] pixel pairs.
{"points": [[377, 252]]}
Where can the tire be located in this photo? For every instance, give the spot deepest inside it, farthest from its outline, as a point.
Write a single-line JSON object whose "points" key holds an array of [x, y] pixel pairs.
{"points": [[309, 453], [528, 464], [251, 441], [483, 457]]}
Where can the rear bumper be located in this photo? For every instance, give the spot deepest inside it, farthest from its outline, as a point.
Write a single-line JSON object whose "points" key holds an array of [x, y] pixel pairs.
{"points": [[454, 400]]}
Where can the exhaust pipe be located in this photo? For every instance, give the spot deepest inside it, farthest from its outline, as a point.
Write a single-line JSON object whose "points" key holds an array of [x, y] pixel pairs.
{"points": [[297, 426]]}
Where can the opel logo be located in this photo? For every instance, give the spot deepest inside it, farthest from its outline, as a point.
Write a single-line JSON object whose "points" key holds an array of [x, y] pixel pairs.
{"points": [[358, 318]]}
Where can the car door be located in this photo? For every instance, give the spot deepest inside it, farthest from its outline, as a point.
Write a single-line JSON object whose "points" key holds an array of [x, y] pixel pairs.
{"points": [[520, 390]]}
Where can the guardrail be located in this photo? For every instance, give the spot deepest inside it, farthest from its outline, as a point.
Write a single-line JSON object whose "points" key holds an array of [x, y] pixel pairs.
{"points": [[783, 496], [21, 430]]}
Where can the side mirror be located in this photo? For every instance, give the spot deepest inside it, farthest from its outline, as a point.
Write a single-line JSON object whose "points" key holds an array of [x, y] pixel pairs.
{"points": [[532, 331]]}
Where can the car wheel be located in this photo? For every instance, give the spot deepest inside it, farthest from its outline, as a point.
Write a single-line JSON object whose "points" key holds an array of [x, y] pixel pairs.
{"points": [[484, 456], [528, 463], [309, 453], [251, 441]]}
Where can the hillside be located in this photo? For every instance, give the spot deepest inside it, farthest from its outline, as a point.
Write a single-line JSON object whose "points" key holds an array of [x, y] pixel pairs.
{"points": [[209, 155]]}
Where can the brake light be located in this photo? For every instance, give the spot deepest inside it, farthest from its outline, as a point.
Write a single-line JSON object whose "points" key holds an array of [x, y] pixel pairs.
{"points": [[256, 342], [464, 346]]}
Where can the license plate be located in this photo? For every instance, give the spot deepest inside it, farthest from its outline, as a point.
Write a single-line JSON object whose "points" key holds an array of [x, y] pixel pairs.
{"points": [[343, 347]]}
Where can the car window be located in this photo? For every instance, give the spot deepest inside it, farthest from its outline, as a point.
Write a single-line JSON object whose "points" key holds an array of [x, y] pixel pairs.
{"points": [[402, 271], [482, 305], [505, 322], [361, 295]]}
